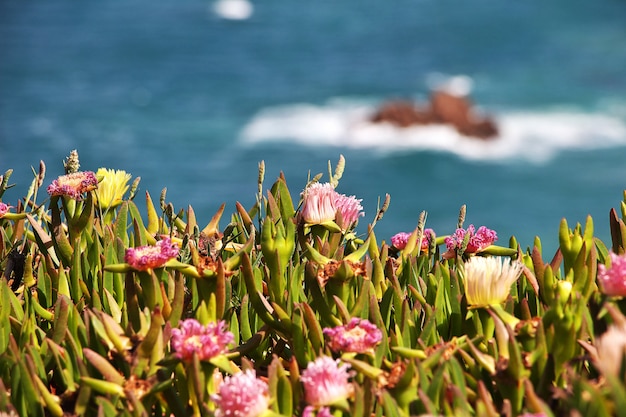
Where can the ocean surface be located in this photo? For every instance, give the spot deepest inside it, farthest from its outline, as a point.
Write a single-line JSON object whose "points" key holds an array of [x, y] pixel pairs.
{"points": [[191, 96]]}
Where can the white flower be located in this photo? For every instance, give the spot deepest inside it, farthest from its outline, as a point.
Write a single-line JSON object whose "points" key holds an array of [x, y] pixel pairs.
{"points": [[488, 281]]}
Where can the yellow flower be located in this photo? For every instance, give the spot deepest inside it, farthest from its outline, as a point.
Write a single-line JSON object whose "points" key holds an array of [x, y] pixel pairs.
{"points": [[488, 281], [112, 186]]}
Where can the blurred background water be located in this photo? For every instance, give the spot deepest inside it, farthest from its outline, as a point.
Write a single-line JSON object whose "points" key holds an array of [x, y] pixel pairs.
{"points": [[191, 101]]}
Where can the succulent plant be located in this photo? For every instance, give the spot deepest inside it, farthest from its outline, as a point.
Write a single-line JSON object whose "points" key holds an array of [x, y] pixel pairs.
{"points": [[295, 308]]}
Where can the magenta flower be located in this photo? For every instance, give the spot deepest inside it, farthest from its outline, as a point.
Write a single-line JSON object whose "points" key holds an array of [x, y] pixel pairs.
{"points": [[4, 209], [319, 203], [613, 280], [478, 239], [350, 209], [358, 336], [147, 257], [242, 395], [73, 185], [205, 341], [326, 382], [399, 240]]}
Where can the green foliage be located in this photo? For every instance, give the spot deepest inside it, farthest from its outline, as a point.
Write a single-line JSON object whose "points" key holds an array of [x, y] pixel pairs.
{"points": [[82, 332]]}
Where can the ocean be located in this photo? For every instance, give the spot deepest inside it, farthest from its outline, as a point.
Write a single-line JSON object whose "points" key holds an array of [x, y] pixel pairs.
{"points": [[191, 99]]}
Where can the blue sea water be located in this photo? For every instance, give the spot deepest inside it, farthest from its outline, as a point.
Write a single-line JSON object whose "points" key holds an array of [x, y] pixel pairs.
{"points": [[191, 101]]}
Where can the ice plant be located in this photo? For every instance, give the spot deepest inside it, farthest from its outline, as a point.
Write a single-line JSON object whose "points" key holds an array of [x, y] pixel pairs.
{"points": [[487, 280], [613, 279], [115, 338], [477, 241], [147, 257], [350, 209], [399, 240], [358, 336], [326, 382], [4, 209], [322, 412], [319, 203], [112, 186], [242, 395], [611, 348], [206, 341], [73, 185]]}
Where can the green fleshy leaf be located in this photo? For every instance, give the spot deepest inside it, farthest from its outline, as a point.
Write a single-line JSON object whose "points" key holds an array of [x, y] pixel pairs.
{"points": [[61, 313], [262, 308], [104, 367], [103, 387], [121, 224]]}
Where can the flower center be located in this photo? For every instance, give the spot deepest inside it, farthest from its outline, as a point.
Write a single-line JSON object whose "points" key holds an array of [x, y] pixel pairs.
{"points": [[194, 341], [356, 333]]}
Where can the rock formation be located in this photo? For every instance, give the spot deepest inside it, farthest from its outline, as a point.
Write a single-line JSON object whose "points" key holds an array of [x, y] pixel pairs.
{"points": [[443, 108], [402, 113]]}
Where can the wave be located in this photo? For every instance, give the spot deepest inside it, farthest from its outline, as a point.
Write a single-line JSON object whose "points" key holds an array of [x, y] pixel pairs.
{"points": [[233, 9], [529, 135]]}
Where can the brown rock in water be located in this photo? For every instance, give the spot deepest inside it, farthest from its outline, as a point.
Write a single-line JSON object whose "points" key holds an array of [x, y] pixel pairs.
{"points": [[401, 113], [483, 129], [444, 108], [458, 112]]}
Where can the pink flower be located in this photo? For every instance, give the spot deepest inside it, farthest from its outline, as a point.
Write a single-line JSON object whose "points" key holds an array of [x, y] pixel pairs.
{"points": [[478, 239], [206, 341], [358, 336], [326, 382], [613, 280], [242, 395], [319, 203], [4, 209], [322, 412], [73, 185], [399, 240], [148, 257], [610, 350], [350, 209]]}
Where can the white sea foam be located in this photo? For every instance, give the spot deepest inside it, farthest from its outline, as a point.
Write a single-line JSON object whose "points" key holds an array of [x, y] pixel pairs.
{"points": [[457, 85], [529, 135], [233, 9]]}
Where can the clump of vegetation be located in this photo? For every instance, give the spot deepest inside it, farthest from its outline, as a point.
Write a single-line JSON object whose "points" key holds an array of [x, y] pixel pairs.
{"points": [[289, 310]]}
